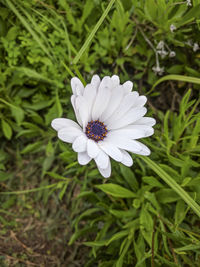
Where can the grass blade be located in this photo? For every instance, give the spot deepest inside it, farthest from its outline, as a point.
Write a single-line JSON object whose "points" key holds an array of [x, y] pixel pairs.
{"points": [[176, 187], [90, 37]]}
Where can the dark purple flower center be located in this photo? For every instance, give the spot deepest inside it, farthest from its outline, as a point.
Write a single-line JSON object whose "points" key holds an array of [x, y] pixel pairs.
{"points": [[96, 130]]}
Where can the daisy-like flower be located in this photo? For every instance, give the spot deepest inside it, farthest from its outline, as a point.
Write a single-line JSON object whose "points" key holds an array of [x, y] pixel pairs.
{"points": [[110, 119]]}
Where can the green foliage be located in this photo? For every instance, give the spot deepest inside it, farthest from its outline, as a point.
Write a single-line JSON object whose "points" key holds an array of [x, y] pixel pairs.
{"points": [[147, 215]]}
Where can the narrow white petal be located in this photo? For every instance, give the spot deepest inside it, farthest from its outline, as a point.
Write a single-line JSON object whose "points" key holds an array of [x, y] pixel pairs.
{"points": [[147, 130], [82, 108], [124, 143], [80, 143], [127, 86], [146, 121], [111, 150], [127, 159], [77, 86], [131, 116], [115, 81], [144, 150], [83, 158], [141, 101], [105, 172], [92, 148], [126, 104], [73, 101], [102, 160], [89, 94], [102, 98], [60, 123], [127, 133], [115, 100], [95, 82], [69, 134]]}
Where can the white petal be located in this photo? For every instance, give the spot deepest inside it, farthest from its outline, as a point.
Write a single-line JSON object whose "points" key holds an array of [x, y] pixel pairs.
{"points": [[105, 172], [80, 143], [115, 100], [131, 116], [115, 81], [111, 150], [82, 108], [92, 148], [102, 160], [136, 128], [127, 86], [60, 123], [141, 101], [83, 158], [89, 94], [102, 98], [126, 104], [124, 143], [146, 120], [77, 86], [95, 82], [144, 150], [73, 100], [69, 134], [127, 159], [127, 133]]}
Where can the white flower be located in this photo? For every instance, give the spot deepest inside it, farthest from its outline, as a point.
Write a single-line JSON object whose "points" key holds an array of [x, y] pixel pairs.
{"points": [[158, 70], [195, 47], [172, 54], [160, 45], [188, 3], [110, 120], [172, 27], [162, 53]]}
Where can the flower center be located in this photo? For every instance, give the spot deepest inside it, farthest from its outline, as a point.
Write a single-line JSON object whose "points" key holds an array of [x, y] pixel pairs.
{"points": [[96, 130]]}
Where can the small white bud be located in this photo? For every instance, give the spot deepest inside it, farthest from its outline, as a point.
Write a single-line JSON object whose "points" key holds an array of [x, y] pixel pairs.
{"points": [[172, 27], [160, 45], [195, 47], [172, 54], [158, 70], [188, 3], [162, 53]]}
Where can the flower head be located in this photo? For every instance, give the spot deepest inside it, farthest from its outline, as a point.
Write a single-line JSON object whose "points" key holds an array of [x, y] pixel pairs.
{"points": [[110, 120], [172, 27]]}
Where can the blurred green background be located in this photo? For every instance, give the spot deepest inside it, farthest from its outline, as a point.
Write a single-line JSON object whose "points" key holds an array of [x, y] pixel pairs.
{"points": [[56, 213]]}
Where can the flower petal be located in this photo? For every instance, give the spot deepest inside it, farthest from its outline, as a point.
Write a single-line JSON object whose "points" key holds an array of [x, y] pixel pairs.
{"points": [[111, 150], [126, 104], [148, 130], [59, 123], [73, 100], [83, 158], [69, 134], [102, 160], [141, 101], [127, 133], [124, 143], [131, 116], [82, 107], [95, 82], [89, 94], [102, 98], [105, 172], [80, 143], [144, 150], [127, 159], [92, 148], [77, 86], [146, 121], [115, 81], [115, 100], [127, 86]]}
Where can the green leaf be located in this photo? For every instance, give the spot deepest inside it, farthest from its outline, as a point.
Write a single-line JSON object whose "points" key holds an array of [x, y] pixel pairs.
{"points": [[7, 130], [116, 190], [117, 236], [129, 177]]}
